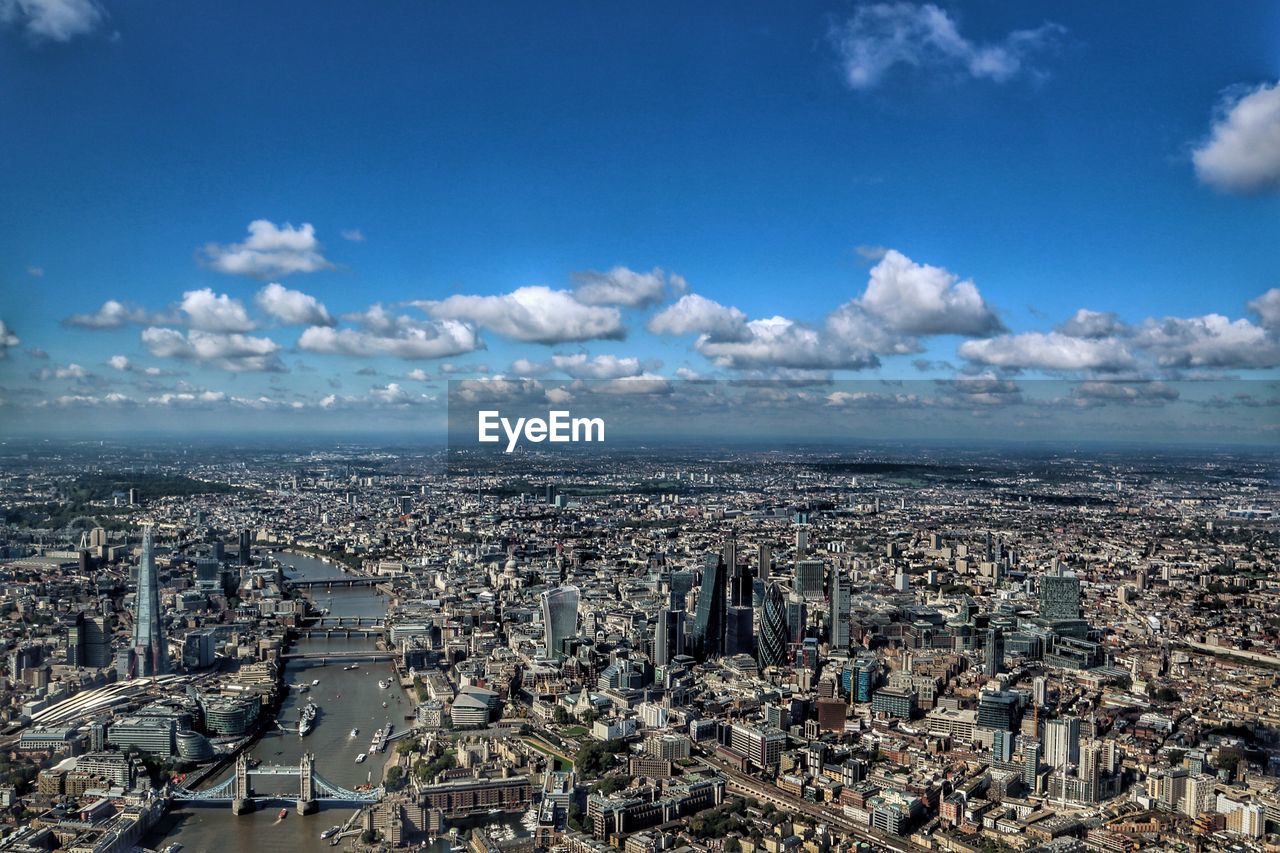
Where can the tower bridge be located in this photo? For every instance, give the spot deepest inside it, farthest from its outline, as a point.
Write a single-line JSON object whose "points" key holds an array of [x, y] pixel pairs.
{"points": [[313, 788]]}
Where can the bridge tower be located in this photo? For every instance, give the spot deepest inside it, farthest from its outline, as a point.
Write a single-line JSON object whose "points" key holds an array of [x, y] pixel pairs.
{"points": [[306, 784], [241, 793]]}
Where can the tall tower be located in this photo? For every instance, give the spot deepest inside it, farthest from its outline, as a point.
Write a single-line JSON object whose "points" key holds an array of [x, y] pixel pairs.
{"points": [[559, 619], [148, 632], [668, 636], [993, 659], [709, 620], [773, 627], [839, 609]]}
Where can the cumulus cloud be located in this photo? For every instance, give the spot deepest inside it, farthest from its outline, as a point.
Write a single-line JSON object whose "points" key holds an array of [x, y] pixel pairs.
{"points": [[52, 20], [535, 314], [1141, 393], [270, 250], [1093, 324], [234, 352], [8, 340], [1052, 351], [119, 362], [112, 315], [693, 314], [880, 36], [622, 286], [581, 366], [1242, 151], [215, 312], [778, 342], [383, 333], [71, 371], [1267, 308], [918, 299], [292, 307], [1208, 341]]}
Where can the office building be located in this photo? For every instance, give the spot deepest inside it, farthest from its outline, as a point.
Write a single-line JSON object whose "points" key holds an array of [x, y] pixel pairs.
{"points": [[773, 627], [150, 649], [838, 609], [709, 620], [993, 659], [668, 636], [808, 583], [1059, 597], [559, 619]]}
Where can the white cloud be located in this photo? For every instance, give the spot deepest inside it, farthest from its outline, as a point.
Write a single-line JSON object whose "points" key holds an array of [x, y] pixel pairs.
{"points": [[119, 362], [918, 299], [1093, 324], [536, 314], [1143, 393], [1052, 351], [353, 235], [402, 338], [581, 366], [777, 342], [1209, 341], [215, 312], [71, 371], [35, 271], [232, 352], [52, 20], [1267, 307], [270, 250], [1242, 152], [8, 340], [292, 307], [881, 36], [112, 315], [622, 286], [696, 315]]}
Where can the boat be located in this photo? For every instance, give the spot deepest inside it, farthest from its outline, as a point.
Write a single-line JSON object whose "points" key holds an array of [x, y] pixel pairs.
{"points": [[173, 848], [383, 685], [333, 830], [314, 682], [354, 733], [384, 704], [360, 758], [284, 813], [350, 667]]}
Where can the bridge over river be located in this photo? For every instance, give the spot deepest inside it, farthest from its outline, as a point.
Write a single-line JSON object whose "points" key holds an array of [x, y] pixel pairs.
{"points": [[313, 788]]}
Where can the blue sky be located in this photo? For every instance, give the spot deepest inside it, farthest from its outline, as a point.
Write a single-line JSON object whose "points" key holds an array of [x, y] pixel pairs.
{"points": [[827, 190]]}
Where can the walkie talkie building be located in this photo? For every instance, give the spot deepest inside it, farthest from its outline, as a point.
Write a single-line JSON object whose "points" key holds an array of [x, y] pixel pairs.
{"points": [[559, 619]]}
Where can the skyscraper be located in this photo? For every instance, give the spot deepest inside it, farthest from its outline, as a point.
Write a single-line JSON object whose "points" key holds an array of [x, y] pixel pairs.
{"points": [[993, 659], [681, 584], [668, 636], [809, 578], [148, 632], [764, 559], [739, 576], [1062, 742], [708, 622], [245, 549], [739, 635], [838, 609], [559, 619], [1059, 597], [773, 627]]}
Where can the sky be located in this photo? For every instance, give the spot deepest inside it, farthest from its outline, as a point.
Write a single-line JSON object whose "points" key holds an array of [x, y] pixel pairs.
{"points": [[310, 216]]}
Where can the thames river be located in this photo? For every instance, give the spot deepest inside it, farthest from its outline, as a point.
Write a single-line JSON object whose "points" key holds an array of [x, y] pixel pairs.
{"points": [[347, 698]]}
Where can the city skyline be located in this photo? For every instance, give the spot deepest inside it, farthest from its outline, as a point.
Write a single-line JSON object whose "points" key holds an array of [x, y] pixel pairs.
{"points": [[837, 191]]}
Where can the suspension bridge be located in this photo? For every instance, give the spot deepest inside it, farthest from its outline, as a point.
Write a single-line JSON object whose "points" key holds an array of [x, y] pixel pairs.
{"points": [[313, 788]]}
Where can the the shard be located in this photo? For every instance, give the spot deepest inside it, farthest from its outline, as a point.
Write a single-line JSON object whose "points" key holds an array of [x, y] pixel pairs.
{"points": [[151, 655]]}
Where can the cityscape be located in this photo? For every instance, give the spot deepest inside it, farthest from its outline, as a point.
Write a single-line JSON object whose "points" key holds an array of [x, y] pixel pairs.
{"points": [[892, 649]]}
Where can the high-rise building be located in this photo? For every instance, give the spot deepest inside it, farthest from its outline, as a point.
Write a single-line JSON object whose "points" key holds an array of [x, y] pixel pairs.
{"points": [[797, 618], [1059, 597], [993, 659], [1002, 746], [773, 627], [668, 636], [838, 609], [802, 542], [1030, 764], [1062, 742], [764, 561], [246, 557], [739, 576], [148, 631], [866, 672], [997, 709], [559, 619], [739, 636], [809, 578], [709, 620]]}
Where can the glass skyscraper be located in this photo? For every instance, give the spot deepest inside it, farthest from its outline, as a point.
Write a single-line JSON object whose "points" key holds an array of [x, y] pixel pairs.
{"points": [[773, 627], [151, 652], [708, 621], [559, 619]]}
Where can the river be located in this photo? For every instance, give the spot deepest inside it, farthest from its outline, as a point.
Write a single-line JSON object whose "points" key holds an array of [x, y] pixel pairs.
{"points": [[347, 698]]}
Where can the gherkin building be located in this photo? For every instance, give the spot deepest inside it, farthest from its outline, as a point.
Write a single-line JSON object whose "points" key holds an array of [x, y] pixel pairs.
{"points": [[773, 627]]}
